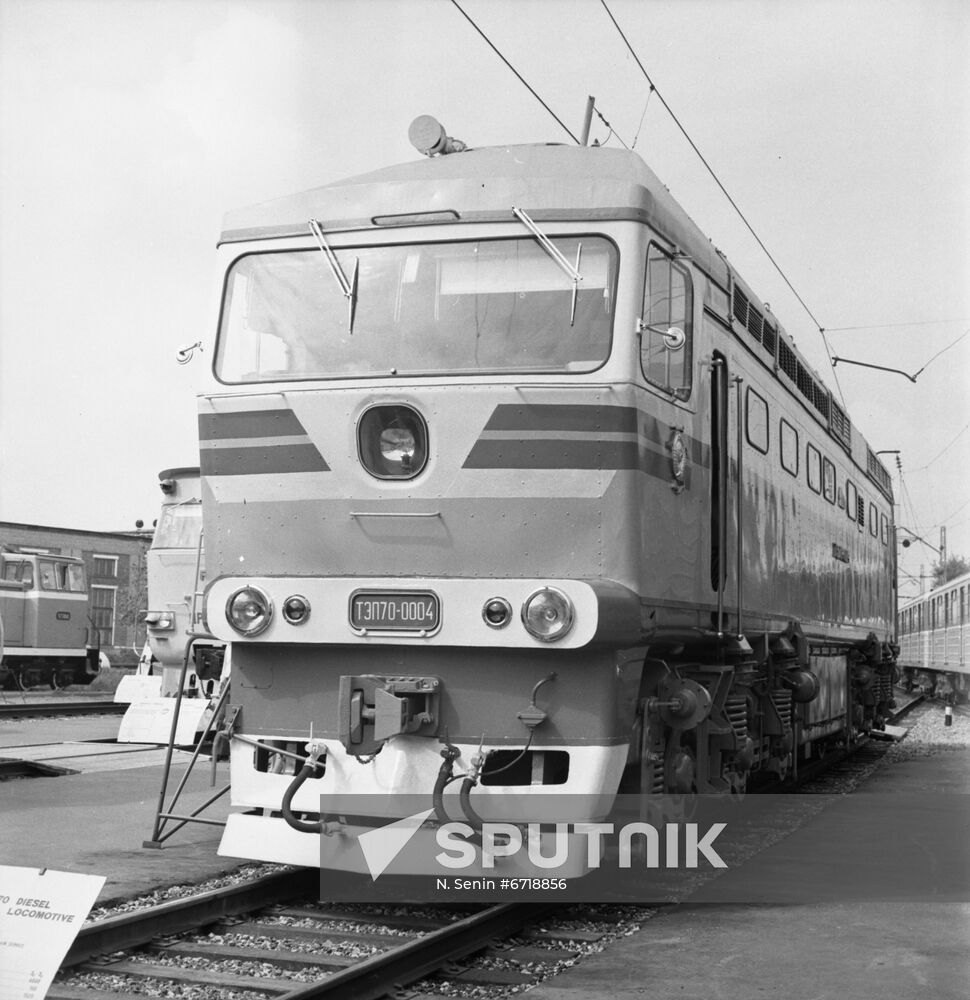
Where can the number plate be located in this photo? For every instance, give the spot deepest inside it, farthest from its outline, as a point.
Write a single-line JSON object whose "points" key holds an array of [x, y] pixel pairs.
{"points": [[394, 611]]}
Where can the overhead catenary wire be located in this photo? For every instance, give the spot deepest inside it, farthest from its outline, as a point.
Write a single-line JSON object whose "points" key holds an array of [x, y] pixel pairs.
{"points": [[613, 131], [643, 115], [518, 75], [885, 326], [956, 438], [943, 351], [724, 191]]}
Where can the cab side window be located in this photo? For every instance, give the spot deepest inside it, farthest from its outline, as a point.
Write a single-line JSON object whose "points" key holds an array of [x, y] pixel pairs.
{"points": [[667, 329]]}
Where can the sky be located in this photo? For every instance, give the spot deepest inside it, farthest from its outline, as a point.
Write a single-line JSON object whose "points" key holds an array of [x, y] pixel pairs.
{"points": [[128, 127]]}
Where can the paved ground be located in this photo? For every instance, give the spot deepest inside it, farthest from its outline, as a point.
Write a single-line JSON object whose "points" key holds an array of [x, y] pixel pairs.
{"points": [[816, 943], [95, 821], [903, 845]]}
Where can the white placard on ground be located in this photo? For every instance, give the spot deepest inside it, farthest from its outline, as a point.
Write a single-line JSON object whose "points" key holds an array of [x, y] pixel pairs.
{"points": [[41, 912]]}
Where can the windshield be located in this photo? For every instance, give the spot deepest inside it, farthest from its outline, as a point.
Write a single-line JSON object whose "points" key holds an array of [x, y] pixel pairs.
{"points": [[478, 306], [62, 576], [179, 526]]}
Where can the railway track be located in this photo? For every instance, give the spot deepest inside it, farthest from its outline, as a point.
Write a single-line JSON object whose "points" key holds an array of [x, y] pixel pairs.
{"points": [[22, 710], [270, 938]]}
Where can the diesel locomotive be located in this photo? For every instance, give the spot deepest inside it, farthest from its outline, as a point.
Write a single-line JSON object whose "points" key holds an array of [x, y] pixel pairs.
{"points": [[512, 488], [46, 632], [180, 660]]}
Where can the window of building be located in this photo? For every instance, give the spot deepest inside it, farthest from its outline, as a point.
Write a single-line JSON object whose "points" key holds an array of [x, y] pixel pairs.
{"points": [[814, 462], [756, 422], [828, 480], [105, 566], [668, 308], [103, 613], [789, 447]]}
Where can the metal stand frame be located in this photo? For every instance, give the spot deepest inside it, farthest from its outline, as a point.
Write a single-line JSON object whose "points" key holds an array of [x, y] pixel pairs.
{"points": [[162, 813]]}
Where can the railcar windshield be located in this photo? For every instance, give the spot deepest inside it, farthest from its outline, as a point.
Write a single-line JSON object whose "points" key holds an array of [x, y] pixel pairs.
{"points": [[179, 526], [55, 575], [470, 307]]}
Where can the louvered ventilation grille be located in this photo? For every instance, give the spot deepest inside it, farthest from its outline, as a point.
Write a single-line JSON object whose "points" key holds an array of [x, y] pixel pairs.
{"points": [[821, 401], [786, 359], [769, 338], [878, 474], [740, 306], [839, 425], [805, 384], [754, 323]]}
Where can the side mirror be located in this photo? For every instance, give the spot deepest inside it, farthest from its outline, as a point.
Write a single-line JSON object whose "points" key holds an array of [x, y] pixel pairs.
{"points": [[674, 339]]}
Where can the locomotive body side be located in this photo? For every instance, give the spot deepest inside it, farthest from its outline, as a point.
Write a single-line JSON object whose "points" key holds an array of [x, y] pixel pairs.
{"points": [[515, 534]]}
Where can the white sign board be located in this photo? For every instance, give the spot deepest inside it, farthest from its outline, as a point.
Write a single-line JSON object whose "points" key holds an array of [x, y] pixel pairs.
{"points": [[137, 687], [150, 721], [41, 912]]}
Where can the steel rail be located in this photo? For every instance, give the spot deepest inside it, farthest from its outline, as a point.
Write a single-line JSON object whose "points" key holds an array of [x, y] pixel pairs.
{"points": [[9, 710], [380, 974], [139, 927]]}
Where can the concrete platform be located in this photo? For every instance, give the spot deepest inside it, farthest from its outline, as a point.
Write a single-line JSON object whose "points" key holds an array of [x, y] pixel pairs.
{"points": [[95, 821], [833, 947]]}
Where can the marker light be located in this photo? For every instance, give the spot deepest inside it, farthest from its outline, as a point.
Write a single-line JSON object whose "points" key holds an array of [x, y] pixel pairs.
{"points": [[296, 609], [497, 612], [160, 621], [249, 611], [547, 614]]}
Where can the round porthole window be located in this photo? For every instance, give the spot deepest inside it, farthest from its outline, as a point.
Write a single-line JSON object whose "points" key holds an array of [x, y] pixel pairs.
{"points": [[392, 441]]}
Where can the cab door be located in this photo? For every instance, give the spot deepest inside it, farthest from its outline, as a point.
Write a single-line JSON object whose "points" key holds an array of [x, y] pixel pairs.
{"points": [[13, 600]]}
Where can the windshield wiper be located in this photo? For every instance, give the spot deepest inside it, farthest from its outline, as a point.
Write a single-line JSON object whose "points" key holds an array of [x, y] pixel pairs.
{"points": [[348, 288], [570, 271]]}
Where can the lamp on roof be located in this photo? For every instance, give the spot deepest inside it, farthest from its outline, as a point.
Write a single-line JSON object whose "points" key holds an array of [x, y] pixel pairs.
{"points": [[429, 138]]}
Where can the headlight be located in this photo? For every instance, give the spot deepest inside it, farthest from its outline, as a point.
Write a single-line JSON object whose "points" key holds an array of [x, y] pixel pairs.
{"points": [[160, 621], [249, 611], [393, 442], [547, 614]]}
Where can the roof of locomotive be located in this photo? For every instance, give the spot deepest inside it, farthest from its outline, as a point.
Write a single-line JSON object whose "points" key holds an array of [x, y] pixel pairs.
{"points": [[551, 182]]}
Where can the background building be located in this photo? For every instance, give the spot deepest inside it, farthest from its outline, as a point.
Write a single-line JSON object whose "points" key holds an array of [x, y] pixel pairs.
{"points": [[114, 563]]}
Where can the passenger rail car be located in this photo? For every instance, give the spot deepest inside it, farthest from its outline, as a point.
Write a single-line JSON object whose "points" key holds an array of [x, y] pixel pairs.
{"points": [[47, 636], [507, 475], [934, 640]]}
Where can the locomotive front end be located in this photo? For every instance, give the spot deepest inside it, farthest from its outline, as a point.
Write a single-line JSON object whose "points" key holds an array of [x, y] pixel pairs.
{"points": [[414, 513]]}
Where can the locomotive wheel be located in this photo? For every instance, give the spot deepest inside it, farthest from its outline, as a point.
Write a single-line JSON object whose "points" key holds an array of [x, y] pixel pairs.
{"points": [[61, 679], [680, 769]]}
